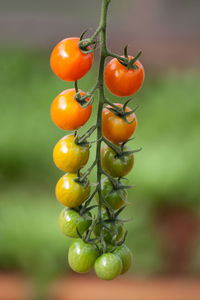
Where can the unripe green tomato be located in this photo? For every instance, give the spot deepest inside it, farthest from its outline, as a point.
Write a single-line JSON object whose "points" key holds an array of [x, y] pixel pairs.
{"points": [[70, 220], [111, 195], [126, 257], [114, 165], [82, 256], [108, 236], [108, 266]]}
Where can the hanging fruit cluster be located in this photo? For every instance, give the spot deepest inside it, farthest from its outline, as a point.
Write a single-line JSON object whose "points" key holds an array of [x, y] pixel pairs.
{"points": [[97, 227]]}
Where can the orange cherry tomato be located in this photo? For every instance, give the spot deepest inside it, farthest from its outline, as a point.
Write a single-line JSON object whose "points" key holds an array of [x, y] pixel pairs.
{"points": [[114, 128], [68, 62], [121, 81], [67, 113]]}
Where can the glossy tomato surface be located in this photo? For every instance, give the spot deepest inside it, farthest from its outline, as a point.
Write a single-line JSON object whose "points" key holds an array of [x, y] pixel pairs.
{"points": [[126, 257], [108, 266], [70, 193], [70, 220], [67, 113], [114, 128], [68, 156], [123, 82], [82, 256], [116, 166], [68, 62], [111, 195]]}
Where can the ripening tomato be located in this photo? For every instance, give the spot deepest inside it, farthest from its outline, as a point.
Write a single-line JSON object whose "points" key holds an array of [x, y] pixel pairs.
{"points": [[108, 266], [122, 81], [68, 62], [108, 236], [114, 165], [69, 221], [126, 257], [67, 113], [111, 195], [68, 156], [71, 193], [82, 256], [114, 128]]}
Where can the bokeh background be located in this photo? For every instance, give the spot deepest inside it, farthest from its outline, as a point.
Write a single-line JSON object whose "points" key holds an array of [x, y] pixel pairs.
{"points": [[165, 206]]}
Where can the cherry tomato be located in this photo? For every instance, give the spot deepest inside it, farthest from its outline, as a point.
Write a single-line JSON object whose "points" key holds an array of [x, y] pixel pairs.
{"points": [[122, 81], [111, 195], [71, 193], [67, 113], [117, 230], [126, 257], [115, 128], [69, 221], [82, 256], [68, 62], [108, 266], [68, 156], [116, 166]]}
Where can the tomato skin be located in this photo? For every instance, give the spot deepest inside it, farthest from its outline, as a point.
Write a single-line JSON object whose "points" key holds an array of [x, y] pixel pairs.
{"points": [[68, 62], [123, 82], [108, 236], [114, 128], [126, 257], [67, 113], [69, 156], [111, 195], [108, 266], [70, 220], [82, 256], [115, 166], [70, 193]]}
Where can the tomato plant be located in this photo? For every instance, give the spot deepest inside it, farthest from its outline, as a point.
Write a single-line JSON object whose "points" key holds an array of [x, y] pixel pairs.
{"points": [[98, 226]]}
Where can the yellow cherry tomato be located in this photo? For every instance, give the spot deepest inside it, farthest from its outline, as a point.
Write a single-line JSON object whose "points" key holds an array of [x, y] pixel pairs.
{"points": [[71, 193], [68, 156]]}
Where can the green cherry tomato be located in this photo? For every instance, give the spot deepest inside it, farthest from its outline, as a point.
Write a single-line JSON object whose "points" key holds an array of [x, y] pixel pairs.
{"points": [[114, 165], [108, 236], [126, 257], [82, 256], [108, 266], [111, 195], [69, 220]]}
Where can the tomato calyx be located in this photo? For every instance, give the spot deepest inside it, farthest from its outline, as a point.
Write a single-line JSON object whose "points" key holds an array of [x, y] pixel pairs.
{"points": [[121, 112], [119, 149], [129, 63]]}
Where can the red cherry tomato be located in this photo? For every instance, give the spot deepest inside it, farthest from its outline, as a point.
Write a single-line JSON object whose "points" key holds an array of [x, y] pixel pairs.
{"points": [[114, 128], [68, 62], [67, 113], [122, 81]]}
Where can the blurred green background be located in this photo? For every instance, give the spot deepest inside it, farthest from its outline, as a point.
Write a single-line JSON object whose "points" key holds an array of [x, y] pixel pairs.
{"points": [[165, 206]]}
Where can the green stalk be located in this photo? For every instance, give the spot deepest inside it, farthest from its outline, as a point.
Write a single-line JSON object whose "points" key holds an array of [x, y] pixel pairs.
{"points": [[101, 101]]}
